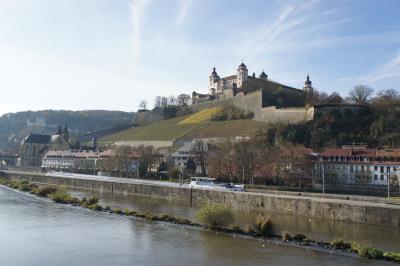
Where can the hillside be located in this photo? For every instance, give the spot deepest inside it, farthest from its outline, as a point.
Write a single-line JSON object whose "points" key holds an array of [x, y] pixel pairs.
{"points": [[15, 126], [197, 125]]}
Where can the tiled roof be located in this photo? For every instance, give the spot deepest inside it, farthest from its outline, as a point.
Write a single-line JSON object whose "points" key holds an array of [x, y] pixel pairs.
{"points": [[230, 77], [38, 138], [361, 152]]}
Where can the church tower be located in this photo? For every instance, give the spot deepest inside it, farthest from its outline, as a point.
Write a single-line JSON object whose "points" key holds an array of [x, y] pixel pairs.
{"points": [[242, 75], [307, 88]]}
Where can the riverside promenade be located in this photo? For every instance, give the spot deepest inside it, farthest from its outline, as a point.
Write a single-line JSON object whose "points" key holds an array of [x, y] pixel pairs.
{"points": [[334, 207]]}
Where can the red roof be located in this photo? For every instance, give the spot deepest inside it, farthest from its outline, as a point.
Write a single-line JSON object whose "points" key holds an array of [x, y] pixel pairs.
{"points": [[360, 152]]}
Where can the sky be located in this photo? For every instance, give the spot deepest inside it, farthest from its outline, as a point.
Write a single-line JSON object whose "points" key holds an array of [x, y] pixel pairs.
{"points": [[111, 54]]}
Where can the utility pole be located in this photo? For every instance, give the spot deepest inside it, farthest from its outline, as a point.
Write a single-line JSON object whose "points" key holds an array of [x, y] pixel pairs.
{"points": [[323, 179]]}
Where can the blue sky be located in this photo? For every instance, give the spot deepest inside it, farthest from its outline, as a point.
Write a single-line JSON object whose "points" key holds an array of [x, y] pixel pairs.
{"points": [[103, 54]]}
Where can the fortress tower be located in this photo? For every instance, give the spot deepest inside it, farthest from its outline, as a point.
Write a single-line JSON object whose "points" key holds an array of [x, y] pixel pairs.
{"points": [[307, 88], [242, 75]]}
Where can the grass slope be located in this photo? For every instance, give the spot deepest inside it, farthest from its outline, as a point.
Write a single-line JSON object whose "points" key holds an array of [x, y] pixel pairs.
{"points": [[172, 129]]}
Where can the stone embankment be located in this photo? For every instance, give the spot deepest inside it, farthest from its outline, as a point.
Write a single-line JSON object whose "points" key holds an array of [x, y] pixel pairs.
{"points": [[376, 213]]}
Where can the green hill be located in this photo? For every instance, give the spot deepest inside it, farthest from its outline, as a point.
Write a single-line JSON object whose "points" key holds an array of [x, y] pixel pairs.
{"points": [[175, 128]]}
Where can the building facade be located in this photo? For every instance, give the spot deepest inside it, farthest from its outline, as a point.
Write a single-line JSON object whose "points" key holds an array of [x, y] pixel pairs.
{"points": [[229, 86], [357, 165], [35, 146]]}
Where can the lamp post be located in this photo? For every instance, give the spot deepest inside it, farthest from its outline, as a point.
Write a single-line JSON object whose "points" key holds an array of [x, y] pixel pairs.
{"points": [[323, 179]]}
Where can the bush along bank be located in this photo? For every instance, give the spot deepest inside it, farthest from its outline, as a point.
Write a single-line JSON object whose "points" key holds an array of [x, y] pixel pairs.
{"points": [[217, 217]]}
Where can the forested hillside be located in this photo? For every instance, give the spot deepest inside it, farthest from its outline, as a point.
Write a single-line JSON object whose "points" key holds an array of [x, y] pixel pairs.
{"points": [[15, 126]]}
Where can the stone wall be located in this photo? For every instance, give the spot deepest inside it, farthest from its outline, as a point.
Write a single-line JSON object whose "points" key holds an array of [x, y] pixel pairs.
{"points": [[335, 209], [253, 102], [154, 143]]}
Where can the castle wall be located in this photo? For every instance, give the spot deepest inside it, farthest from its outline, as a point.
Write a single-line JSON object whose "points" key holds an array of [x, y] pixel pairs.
{"points": [[253, 102], [284, 115], [209, 104]]}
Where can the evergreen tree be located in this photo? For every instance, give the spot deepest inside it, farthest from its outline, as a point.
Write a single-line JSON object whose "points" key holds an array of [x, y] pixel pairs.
{"points": [[59, 130], [65, 133]]}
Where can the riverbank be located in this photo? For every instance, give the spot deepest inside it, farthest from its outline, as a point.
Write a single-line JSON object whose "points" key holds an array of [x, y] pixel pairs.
{"points": [[338, 247], [373, 213]]}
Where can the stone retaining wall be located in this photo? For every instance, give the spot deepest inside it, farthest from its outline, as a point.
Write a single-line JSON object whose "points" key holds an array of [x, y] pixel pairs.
{"points": [[342, 210]]}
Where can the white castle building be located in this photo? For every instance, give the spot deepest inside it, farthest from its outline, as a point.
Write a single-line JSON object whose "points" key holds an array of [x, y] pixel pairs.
{"points": [[229, 86]]}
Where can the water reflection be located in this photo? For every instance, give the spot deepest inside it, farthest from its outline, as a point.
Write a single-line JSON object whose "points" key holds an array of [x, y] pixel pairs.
{"points": [[383, 237]]}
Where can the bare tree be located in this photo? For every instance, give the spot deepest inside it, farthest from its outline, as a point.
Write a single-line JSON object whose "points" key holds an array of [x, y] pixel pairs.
{"points": [[143, 104], [200, 153], [334, 98], [157, 102], [246, 158], [183, 100], [293, 163], [164, 101], [361, 94], [121, 160], [363, 177], [387, 98], [220, 161], [172, 100]]}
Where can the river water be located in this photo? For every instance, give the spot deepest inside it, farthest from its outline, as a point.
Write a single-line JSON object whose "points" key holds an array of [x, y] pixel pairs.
{"points": [[386, 238], [35, 231]]}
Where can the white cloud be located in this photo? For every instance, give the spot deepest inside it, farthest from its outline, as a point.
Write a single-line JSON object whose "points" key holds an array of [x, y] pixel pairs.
{"points": [[138, 12], [184, 8], [388, 70]]}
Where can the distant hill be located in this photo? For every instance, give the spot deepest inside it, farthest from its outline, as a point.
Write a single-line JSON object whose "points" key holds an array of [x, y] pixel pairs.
{"points": [[15, 126]]}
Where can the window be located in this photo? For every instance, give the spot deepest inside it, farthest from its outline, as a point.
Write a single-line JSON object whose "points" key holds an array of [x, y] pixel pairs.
{"points": [[351, 168], [382, 177], [376, 168], [382, 169], [388, 169], [375, 177]]}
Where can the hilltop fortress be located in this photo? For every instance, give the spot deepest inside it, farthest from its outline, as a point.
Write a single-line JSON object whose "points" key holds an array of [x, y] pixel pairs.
{"points": [[268, 100]]}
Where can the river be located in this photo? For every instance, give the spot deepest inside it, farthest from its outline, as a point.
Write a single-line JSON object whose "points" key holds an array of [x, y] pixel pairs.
{"points": [[384, 237], [35, 231]]}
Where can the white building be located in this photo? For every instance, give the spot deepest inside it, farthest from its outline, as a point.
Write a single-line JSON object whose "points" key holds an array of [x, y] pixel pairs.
{"points": [[357, 164], [59, 159]]}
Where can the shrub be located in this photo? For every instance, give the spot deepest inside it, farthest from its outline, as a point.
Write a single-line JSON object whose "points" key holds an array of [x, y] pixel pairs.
{"points": [[92, 201], [96, 207], [392, 256], [46, 190], [24, 186], [286, 236], [33, 188], [263, 225], [14, 184], [118, 211], [249, 230], [215, 215], [299, 237], [340, 244], [166, 218], [235, 228], [61, 195], [366, 251]]}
